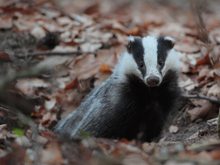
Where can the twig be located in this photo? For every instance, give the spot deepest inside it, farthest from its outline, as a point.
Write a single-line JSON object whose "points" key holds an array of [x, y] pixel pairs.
{"points": [[13, 75], [218, 124], [60, 53], [212, 100], [198, 7]]}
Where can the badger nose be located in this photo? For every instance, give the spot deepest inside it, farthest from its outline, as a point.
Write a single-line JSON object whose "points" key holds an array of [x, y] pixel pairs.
{"points": [[152, 81]]}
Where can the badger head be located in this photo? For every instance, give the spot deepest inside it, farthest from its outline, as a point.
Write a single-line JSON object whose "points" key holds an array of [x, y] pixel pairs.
{"points": [[149, 58]]}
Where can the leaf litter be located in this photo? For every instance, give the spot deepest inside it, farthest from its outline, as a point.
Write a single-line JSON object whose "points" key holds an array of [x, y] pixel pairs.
{"points": [[98, 29]]}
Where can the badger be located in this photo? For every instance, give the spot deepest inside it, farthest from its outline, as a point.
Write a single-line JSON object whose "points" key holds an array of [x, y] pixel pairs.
{"points": [[134, 102]]}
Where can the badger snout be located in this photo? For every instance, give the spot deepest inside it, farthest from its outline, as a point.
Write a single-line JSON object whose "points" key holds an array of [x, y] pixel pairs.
{"points": [[152, 80]]}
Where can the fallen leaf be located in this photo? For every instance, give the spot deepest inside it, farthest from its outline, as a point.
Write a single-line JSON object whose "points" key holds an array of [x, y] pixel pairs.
{"points": [[29, 86], [204, 60], [38, 32], [203, 109], [92, 9], [51, 155], [187, 48], [16, 156], [215, 154], [48, 119], [132, 159], [203, 73], [84, 67], [6, 22], [173, 129], [90, 47], [64, 21], [49, 104], [73, 84], [104, 68], [4, 57], [214, 91]]}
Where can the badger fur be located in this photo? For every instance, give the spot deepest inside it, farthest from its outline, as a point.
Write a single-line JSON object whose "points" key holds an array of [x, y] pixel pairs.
{"points": [[136, 99]]}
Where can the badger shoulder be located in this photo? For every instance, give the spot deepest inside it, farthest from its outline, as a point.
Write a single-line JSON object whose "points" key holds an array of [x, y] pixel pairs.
{"points": [[103, 97]]}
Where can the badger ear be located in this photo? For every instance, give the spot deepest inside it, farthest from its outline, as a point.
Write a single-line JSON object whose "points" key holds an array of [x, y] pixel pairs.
{"points": [[169, 42], [130, 41]]}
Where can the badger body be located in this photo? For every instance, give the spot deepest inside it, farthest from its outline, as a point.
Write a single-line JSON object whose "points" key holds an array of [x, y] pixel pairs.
{"points": [[135, 100]]}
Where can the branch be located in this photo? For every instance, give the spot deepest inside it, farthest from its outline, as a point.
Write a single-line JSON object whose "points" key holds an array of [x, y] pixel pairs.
{"points": [[60, 53], [198, 7], [218, 124], [212, 100], [13, 75]]}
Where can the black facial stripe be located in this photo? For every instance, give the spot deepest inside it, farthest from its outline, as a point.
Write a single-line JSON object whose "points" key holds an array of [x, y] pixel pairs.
{"points": [[162, 49], [137, 50]]}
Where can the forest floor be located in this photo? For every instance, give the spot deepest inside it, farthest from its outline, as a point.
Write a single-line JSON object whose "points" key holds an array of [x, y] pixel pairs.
{"points": [[52, 53]]}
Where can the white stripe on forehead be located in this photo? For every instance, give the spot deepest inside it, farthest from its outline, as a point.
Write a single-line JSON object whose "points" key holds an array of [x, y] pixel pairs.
{"points": [[150, 54]]}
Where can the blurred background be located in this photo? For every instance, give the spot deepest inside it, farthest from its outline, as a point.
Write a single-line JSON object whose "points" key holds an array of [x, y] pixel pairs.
{"points": [[54, 52]]}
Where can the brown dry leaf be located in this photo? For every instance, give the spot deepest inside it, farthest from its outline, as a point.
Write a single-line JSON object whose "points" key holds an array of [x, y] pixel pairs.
{"points": [[51, 155], [215, 154], [6, 22], [48, 119], [49, 12], [204, 155], [115, 26], [29, 86], [109, 57], [187, 48], [84, 67], [16, 156], [214, 91], [84, 20], [171, 29], [185, 68], [4, 57], [64, 21], [38, 32], [173, 129], [4, 3], [105, 68], [204, 60], [24, 22], [73, 84], [93, 8], [90, 47], [187, 83], [202, 110], [215, 55], [87, 66], [203, 73], [132, 159]]}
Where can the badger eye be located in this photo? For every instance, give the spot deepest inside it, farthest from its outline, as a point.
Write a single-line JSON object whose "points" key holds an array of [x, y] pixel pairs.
{"points": [[160, 63], [141, 64]]}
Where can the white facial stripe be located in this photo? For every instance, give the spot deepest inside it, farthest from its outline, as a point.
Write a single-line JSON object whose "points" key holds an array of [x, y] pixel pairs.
{"points": [[172, 62], [126, 65], [131, 38], [150, 55]]}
